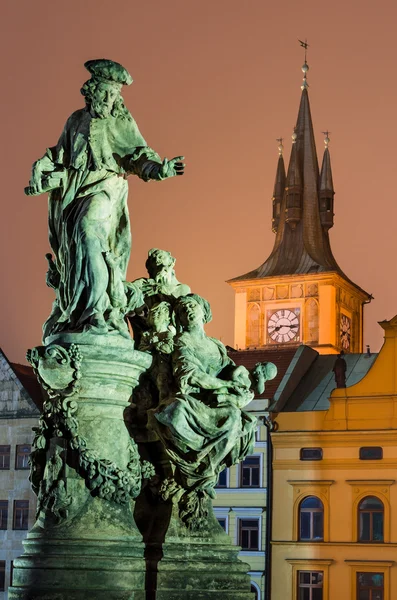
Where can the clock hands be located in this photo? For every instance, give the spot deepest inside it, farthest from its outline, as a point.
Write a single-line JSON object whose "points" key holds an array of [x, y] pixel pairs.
{"points": [[281, 326]]}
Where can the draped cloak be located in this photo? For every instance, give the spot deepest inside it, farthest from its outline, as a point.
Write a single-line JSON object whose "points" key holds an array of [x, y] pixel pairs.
{"points": [[202, 432], [93, 157]]}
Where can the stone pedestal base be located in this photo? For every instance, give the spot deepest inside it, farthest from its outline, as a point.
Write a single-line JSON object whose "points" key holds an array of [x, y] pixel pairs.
{"points": [[189, 565], [86, 471], [98, 569]]}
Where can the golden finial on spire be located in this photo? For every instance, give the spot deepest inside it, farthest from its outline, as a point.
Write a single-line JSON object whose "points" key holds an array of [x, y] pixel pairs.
{"points": [[326, 139], [280, 145], [305, 66], [294, 136]]}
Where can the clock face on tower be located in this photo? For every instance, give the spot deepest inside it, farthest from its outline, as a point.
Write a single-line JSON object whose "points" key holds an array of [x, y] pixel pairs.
{"points": [[283, 325], [345, 332]]}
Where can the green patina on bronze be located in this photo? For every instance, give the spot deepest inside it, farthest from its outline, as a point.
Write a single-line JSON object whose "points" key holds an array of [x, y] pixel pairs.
{"points": [[133, 431], [86, 177]]}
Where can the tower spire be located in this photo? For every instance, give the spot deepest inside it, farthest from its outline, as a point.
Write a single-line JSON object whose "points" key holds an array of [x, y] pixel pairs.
{"points": [[326, 191], [302, 243], [293, 189], [279, 186]]}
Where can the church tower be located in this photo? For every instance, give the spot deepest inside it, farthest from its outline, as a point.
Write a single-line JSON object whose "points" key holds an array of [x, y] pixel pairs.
{"points": [[300, 295]]}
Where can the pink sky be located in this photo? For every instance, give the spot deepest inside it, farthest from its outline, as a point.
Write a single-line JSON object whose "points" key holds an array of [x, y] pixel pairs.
{"points": [[217, 81]]}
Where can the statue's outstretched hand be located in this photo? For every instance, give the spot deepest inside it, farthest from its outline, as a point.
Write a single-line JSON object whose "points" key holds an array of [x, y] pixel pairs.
{"points": [[172, 167]]}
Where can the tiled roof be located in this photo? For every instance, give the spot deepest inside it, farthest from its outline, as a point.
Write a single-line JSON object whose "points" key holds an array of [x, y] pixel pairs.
{"points": [[315, 387], [281, 357]]}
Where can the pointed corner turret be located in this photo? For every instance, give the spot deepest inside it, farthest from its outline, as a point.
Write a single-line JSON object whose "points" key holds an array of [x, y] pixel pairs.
{"points": [[279, 187], [326, 191], [293, 188]]}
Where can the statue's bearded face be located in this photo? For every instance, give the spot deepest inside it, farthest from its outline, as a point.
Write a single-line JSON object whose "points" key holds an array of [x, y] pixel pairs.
{"points": [[103, 99]]}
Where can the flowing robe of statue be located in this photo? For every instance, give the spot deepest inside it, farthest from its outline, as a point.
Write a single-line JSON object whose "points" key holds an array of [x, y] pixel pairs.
{"points": [[203, 430], [92, 157]]}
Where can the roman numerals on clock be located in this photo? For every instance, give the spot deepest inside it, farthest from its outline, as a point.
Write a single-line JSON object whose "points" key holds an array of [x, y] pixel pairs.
{"points": [[283, 326]]}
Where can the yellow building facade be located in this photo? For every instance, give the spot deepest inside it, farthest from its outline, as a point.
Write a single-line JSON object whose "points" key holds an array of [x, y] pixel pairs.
{"points": [[334, 520]]}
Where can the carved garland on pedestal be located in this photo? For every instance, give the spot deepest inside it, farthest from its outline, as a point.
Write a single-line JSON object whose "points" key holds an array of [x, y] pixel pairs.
{"points": [[58, 371]]}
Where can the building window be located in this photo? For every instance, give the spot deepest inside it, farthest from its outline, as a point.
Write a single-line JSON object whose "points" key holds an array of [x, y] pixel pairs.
{"points": [[371, 453], [310, 585], [222, 522], [370, 520], [5, 457], [249, 534], [250, 470], [3, 514], [21, 514], [22, 456], [311, 454], [254, 590], [2, 575], [222, 479], [370, 586], [311, 519]]}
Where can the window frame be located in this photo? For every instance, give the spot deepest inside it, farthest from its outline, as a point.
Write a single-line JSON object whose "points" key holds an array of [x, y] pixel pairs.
{"points": [[375, 566], [224, 487], [4, 509], [311, 459], [309, 586], [309, 564], [14, 515], [222, 513], [362, 450], [259, 456], [368, 487], [311, 511], [303, 488], [361, 511], [257, 589], [240, 530], [371, 588], [23, 455], [2, 575], [5, 454]]}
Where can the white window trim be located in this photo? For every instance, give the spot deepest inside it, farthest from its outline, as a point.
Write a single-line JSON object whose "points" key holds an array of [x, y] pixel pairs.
{"points": [[248, 514], [229, 490], [227, 481], [238, 474], [256, 586], [222, 513]]}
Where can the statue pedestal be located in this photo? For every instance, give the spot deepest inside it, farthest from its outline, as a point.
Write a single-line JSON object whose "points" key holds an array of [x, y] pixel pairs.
{"points": [[86, 471], [184, 564]]}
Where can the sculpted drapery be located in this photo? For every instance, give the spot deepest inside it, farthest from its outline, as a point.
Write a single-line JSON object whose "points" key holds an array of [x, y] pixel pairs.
{"points": [[89, 229]]}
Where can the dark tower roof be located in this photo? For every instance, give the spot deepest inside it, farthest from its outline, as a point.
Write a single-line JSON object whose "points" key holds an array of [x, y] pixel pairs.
{"points": [[302, 243], [279, 187], [326, 183]]}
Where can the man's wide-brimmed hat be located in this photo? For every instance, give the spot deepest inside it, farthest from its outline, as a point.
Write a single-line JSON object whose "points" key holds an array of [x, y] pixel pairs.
{"points": [[108, 70]]}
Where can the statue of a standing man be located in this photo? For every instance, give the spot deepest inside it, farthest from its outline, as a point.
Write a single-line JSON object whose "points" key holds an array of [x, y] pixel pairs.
{"points": [[85, 175]]}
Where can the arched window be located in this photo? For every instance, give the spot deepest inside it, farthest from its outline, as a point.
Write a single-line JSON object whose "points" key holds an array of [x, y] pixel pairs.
{"points": [[370, 520], [255, 590], [311, 519]]}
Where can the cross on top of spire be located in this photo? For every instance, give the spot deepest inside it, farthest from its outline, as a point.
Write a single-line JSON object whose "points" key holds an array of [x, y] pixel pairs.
{"points": [[280, 145], [305, 66], [326, 139]]}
